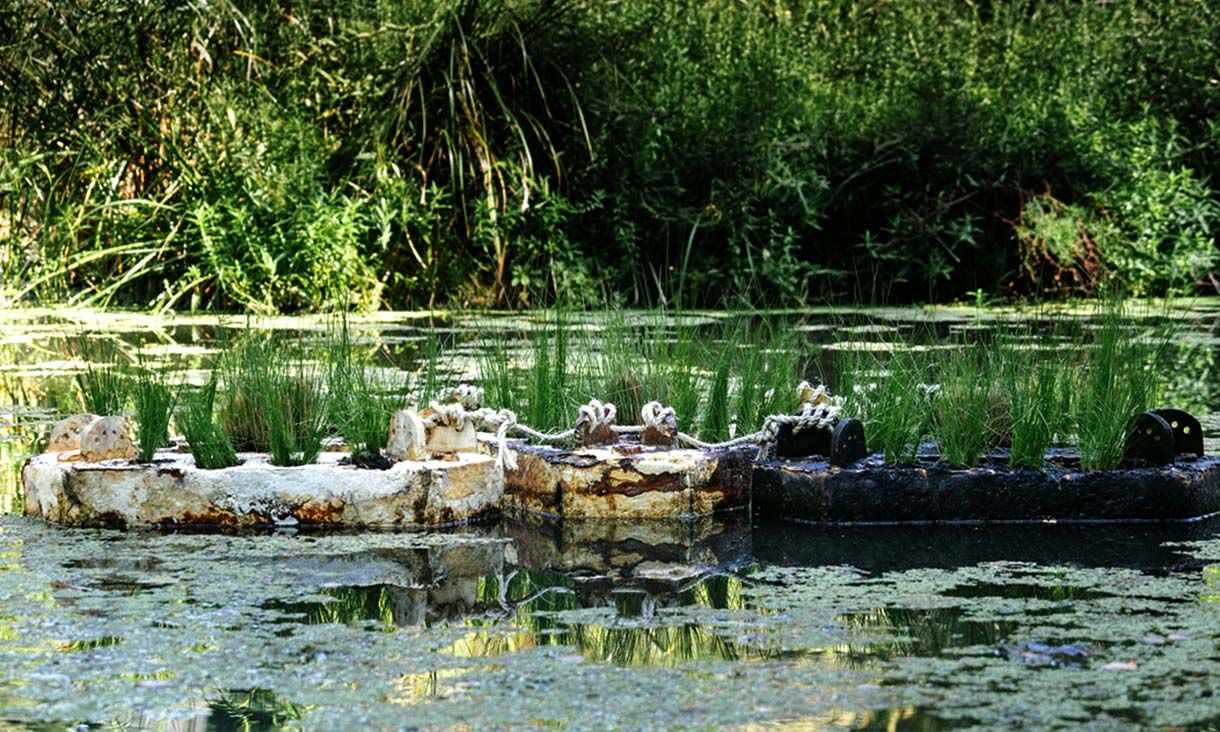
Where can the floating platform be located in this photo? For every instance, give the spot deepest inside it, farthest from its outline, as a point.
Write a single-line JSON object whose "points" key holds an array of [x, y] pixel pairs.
{"points": [[171, 491], [627, 480], [871, 492]]}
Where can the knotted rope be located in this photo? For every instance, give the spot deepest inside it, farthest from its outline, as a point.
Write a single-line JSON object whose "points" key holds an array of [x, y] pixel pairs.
{"points": [[818, 410]]}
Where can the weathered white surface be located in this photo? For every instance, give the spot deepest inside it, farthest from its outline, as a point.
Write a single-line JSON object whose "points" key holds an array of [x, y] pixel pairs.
{"points": [[108, 438], [442, 438], [627, 481], [66, 434], [173, 491], [407, 436]]}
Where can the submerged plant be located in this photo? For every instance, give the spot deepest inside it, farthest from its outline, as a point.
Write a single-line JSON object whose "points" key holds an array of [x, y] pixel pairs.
{"points": [[154, 404], [210, 446]]}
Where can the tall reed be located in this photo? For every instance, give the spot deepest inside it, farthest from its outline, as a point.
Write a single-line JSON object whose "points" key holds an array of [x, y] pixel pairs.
{"points": [[361, 400], [210, 446], [890, 396], [104, 383], [298, 414], [962, 404], [1120, 379], [154, 405]]}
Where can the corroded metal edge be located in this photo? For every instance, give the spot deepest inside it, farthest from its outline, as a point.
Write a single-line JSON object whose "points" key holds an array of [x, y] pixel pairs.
{"points": [[173, 492], [814, 491], [627, 481]]}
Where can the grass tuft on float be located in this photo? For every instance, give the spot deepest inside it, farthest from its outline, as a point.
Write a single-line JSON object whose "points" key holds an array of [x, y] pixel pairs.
{"points": [[210, 445], [154, 405], [362, 401]]}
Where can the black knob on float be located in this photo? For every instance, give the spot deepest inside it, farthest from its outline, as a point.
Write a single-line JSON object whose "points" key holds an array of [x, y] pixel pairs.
{"points": [[1149, 439], [1187, 432], [847, 443], [793, 443]]}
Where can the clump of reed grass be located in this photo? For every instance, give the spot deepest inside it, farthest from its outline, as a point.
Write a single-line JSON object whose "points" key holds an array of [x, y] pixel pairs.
{"points": [[715, 425], [297, 419], [962, 406], [546, 386], [154, 406], [1038, 386], [1119, 380], [104, 384], [210, 445], [248, 380], [361, 402], [891, 397]]}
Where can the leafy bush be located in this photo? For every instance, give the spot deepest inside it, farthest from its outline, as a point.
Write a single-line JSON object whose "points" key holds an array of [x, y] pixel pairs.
{"points": [[525, 151]]}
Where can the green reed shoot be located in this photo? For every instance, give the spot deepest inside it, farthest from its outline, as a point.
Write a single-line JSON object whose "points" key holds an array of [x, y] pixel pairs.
{"points": [[210, 446], [1120, 379], [361, 400], [154, 405], [247, 375], [890, 397], [103, 384], [962, 405], [298, 413]]}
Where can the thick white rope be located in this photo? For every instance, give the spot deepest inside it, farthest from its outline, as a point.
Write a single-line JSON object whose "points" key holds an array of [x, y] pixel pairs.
{"points": [[818, 410]]}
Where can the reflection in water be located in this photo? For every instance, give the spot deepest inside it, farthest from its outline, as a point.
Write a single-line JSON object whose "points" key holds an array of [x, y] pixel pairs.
{"points": [[804, 627]]}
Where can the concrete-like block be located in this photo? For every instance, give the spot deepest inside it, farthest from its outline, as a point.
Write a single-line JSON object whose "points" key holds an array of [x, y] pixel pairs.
{"points": [[628, 481], [172, 491]]}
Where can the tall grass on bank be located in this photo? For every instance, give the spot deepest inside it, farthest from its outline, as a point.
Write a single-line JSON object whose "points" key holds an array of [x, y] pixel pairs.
{"points": [[210, 445], [154, 405]]}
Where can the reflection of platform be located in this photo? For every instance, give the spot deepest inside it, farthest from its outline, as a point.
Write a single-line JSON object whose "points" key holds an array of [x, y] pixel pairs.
{"points": [[628, 481], [872, 492], [172, 491], [640, 548], [1149, 547]]}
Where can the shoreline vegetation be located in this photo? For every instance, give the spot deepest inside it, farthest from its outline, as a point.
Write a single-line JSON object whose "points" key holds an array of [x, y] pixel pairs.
{"points": [[971, 396], [311, 157]]}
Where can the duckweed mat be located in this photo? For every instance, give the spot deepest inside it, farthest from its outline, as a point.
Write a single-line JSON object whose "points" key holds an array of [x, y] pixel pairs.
{"points": [[426, 630]]}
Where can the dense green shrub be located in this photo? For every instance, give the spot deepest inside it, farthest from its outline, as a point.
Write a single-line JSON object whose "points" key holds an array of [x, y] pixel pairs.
{"points": [[273, 156]]}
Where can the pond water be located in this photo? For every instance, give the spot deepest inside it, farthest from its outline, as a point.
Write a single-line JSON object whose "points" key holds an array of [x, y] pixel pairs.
{"points": [[593, 625]]}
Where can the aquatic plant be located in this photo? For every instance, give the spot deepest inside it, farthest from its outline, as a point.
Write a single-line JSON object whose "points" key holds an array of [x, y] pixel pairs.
{"points": [[154, 405], [1119, 379], [103, 383], [210, 445], [962, 404], [891, 397], [546, 383], [247, 377], [1039, 386], [298, 410], [361, 400], [715, 424]]}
